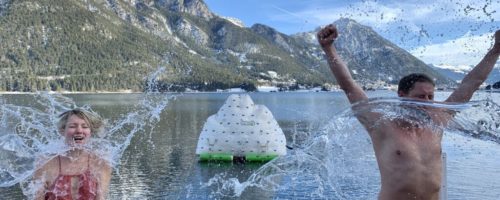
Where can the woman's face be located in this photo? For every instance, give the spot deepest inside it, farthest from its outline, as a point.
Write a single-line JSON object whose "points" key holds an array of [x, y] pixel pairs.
{"points": [[77, 131]]}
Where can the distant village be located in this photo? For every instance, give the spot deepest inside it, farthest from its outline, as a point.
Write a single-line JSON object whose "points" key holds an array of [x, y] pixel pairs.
{"points": [[284, 86]]}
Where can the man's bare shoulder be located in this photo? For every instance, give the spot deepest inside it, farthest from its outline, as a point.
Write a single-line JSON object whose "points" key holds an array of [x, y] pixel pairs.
{"points": [[365, 113]]}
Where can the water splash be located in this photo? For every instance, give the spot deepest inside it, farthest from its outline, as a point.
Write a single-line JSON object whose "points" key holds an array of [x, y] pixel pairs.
{"points": [[26, 134], [30, 131], [338, 161], [142, 119], [482, 122], [405, 23]]}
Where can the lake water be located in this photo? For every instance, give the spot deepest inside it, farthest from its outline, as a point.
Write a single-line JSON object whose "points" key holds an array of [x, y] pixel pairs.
{"points": [[160, 163]]}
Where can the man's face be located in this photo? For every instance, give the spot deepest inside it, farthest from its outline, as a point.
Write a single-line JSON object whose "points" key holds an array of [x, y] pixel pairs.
{"points": [[423, 91]]}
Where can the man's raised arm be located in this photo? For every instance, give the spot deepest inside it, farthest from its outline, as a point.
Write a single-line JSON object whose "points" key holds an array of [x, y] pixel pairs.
{"points": [[326, 36], [478, 75]]}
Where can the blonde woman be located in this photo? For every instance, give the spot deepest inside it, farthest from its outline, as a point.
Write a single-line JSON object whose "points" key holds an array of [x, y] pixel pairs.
{"points": [[78, 174]]}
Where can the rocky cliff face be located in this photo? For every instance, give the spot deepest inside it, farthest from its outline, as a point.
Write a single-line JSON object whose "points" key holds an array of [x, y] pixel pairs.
{"points": [[196, 8], [4, 4]]}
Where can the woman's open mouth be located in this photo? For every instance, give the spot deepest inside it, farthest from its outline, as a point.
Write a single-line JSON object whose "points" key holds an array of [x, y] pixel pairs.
{"points": [[78, 139]]}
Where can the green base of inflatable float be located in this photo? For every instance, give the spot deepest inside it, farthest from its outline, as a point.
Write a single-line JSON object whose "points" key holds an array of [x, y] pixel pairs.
{"points": [[221, 157]]}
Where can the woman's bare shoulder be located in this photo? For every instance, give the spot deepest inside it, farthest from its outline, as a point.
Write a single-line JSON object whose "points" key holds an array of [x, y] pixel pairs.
{"points": [[46, 167], [46, 161]]}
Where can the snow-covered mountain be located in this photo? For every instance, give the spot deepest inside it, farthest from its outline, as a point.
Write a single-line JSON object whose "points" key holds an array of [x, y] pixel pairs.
{"points": [[458, 72]]}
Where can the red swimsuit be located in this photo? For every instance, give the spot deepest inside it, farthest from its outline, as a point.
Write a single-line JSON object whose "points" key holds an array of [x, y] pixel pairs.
{"points": [[61, 189]]}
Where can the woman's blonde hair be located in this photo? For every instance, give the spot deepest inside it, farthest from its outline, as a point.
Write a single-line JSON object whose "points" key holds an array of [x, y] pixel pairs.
{"points": [[93, 120]]}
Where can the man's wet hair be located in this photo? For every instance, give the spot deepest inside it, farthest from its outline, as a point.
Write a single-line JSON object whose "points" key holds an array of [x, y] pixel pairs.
{"points": [[407, 82]]}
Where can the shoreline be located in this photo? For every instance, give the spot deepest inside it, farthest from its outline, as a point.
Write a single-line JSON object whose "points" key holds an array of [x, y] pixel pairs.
{"points": [[203, 92], [52, 92]]}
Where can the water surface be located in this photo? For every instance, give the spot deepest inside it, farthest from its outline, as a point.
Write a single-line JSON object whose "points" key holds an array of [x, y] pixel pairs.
{"points": [[160, 163]]}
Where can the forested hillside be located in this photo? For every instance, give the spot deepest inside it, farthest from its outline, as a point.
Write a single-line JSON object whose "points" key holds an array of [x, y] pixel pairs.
{"points": [[112, 45]]}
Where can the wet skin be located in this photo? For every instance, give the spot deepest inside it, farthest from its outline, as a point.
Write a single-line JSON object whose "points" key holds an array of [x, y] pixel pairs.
{"points": [[409, 154], [76, 133]]}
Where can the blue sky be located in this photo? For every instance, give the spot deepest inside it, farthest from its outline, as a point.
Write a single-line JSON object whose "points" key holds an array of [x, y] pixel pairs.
{"points": [[442, 32]]}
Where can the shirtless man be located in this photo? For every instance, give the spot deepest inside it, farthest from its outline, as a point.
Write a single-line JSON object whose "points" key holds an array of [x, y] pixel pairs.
{"points": [[408, 156]]}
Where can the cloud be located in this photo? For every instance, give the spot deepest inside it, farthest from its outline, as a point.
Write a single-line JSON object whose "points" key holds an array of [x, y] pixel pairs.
{"points": [[434, 31], [407, 23], [287, 12], [464, 51]]}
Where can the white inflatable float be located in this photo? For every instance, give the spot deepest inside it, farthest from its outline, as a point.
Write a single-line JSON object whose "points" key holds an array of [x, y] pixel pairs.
{"points": [[241, 129]]}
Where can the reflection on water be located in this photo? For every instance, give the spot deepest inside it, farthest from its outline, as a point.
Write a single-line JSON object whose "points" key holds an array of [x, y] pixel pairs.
{"points": [[160, 161]]}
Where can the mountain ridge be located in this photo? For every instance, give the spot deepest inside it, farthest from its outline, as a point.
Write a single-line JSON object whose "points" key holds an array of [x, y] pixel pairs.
{"points": [[458, 73], [93, 45]]}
